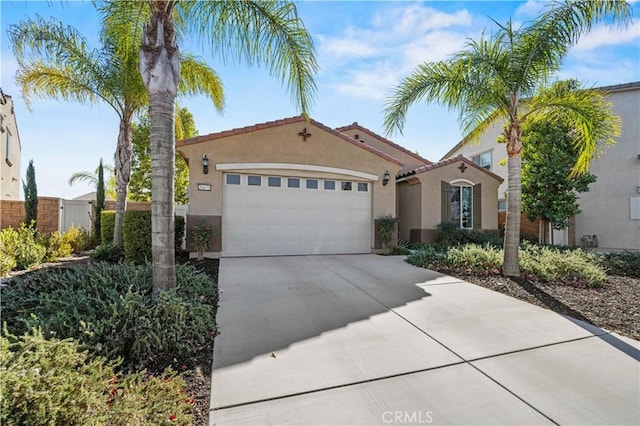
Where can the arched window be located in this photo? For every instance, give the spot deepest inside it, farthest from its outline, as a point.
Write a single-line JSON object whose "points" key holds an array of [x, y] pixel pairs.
{"points": [[461, 203]]}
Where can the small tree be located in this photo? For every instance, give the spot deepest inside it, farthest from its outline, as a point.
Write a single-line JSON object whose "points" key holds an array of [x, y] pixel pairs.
{"points": [[30, 196], [201, 234], [99, 202], [386, 228], [549, 190]]}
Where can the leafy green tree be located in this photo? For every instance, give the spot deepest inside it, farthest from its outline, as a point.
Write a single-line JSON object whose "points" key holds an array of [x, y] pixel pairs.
{"points": [[140, 186], [54, 61], [495, 79], [99, 202], [549, 188], [266, 33], [30, 196], [92, 179]]}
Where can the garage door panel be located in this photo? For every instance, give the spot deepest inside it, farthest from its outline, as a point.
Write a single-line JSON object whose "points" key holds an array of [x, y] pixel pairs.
{"points": [[262, 220]]}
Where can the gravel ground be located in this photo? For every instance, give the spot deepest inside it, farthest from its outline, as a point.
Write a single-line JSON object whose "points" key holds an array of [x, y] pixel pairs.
{"points": [[615, 306]]}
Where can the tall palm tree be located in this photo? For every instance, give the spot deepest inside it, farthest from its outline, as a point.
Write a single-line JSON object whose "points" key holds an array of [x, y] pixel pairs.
{"points": [[266, 33], [55, 62], [494, 79]]}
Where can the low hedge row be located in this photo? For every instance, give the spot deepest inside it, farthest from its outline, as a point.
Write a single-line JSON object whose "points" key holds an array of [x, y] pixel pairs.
{"points": [[544, 263]]}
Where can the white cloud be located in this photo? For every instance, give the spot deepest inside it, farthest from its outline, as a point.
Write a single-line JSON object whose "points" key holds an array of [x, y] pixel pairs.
{"points": [[364, 61], [609, 36], [531, 8], [346, 47], [418, 18]]}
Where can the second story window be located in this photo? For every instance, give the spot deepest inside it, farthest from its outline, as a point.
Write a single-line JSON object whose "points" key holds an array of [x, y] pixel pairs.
{"points": [[483, 160]]}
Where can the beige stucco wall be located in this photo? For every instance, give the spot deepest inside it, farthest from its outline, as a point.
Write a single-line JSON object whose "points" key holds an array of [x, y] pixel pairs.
{"points": [[488, 143], [9, 174], [410, 162], [605, 208], [409, 201], [431, 194], [282, 144]]}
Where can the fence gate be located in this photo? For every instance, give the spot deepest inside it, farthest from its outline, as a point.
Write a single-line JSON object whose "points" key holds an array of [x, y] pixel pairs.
{"points": [[75, 213]]}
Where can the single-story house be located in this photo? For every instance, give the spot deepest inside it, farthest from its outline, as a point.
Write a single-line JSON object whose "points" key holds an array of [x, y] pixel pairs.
{"points": [[296, 186]]}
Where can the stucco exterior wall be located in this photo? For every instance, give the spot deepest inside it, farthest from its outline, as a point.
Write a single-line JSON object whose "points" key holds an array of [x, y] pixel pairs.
{"points": [[410, 162], [488, 143], [606, 210], [431, 194], [9, 156], [281, 144], [409, 207]]}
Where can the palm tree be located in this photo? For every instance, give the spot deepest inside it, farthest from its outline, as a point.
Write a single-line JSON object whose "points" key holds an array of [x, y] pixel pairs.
{"points": [[494, 79], [55, 62], [259, 32], [92, 179]]}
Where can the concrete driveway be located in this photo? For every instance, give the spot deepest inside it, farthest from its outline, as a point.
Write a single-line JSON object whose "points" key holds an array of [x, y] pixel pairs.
{"points": [[366, 339]]}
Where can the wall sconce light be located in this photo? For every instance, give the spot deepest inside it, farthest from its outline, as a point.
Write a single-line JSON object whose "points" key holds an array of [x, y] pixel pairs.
{"points": [[205, 164], [385, 178]]}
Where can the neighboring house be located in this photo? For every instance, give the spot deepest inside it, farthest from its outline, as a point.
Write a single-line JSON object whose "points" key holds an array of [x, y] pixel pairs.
{"points": [[9, 150], [296, 186], [611, 209]]}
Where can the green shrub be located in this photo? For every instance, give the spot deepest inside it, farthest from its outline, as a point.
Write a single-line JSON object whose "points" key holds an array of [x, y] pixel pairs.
{"points": [[79, 238], [137, 235], [623, 264], [450, 234], [426, 256], [21, 245], [54, 382], [111, 309], [108, 253], [7, 263], [474, 258], [107, 225], [572, 267], [55, 245]]}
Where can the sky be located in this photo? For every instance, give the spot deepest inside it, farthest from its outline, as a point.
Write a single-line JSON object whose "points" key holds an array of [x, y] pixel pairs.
{"points": [[364, 49]]}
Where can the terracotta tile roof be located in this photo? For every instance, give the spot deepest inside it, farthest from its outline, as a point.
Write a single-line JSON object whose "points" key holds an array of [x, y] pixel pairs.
{"points": [[449, 161], [276, 123], [356, 126]]}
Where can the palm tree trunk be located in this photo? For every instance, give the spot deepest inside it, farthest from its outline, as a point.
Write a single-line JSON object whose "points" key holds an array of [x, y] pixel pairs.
{"points": [[160, 69], [510, 266], [123, 176]]}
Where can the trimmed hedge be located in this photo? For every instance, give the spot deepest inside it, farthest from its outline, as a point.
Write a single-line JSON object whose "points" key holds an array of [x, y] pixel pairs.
{"points": [[137, 233], [107, 224], [137, 236]]}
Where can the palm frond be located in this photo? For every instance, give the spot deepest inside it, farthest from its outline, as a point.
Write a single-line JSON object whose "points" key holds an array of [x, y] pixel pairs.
{"points": [[588, 113], [196, 77], [258, 33], [89, 177]]}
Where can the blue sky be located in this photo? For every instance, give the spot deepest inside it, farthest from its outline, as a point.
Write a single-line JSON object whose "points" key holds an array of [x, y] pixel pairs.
{"points": [[364, 48]]}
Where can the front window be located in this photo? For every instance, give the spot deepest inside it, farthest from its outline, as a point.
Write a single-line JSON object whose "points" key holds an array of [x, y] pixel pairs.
{"points": [[461, 203], [483, 160]]}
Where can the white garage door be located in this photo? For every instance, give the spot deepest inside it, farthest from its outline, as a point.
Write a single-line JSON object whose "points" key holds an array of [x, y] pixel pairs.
{"points": [[274, 215]]}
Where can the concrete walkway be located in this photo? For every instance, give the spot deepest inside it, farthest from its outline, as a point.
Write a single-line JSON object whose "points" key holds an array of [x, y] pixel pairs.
{"points": [[366, 339]]}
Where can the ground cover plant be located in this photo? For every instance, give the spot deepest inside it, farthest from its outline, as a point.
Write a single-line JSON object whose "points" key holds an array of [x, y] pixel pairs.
{"points": [[104, 317]]}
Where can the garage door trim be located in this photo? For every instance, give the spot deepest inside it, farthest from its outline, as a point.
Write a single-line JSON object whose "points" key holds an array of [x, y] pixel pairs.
{"points": [[292, 166]]}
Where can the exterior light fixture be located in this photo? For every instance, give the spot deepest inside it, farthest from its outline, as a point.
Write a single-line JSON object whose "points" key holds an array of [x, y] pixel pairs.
{"points": [[205, 164], [385, 178]]}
